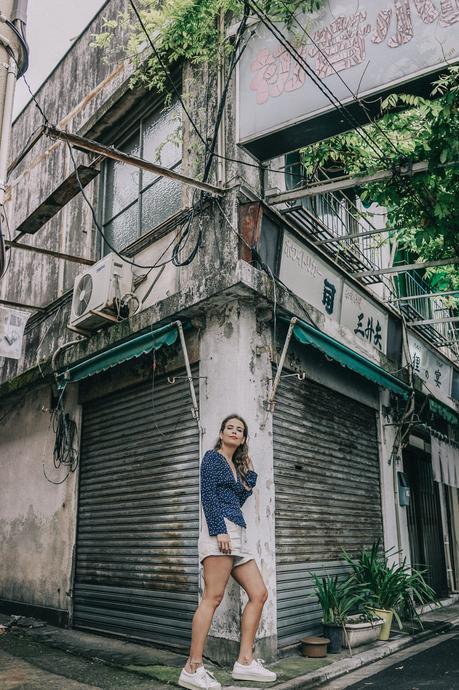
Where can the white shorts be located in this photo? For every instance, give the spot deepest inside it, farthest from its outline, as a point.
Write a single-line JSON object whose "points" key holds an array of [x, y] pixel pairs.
{"points": [[208, 546]]}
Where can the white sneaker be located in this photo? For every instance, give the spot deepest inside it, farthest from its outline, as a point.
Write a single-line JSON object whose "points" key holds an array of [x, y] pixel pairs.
{"points": [[254, 671], [201, 679]]}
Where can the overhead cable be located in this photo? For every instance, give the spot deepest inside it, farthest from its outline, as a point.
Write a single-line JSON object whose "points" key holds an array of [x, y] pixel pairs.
{"points": [[323, 88]]}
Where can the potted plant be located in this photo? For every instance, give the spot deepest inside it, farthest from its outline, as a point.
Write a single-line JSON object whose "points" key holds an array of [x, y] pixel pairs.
{"points": [[337, 598], [362, 628], [392, 590]]}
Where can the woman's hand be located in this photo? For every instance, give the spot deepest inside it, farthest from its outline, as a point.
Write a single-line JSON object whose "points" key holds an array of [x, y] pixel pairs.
{"points": [[224, 543], [249, 465]]}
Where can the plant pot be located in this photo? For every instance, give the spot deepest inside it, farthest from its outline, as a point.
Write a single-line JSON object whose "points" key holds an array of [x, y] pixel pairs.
{"points": [[315, 647], [335, 635], [387, 618], [359, 633]]}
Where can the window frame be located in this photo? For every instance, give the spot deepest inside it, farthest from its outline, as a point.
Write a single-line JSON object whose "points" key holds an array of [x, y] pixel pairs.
{"points": [[120, 134]]}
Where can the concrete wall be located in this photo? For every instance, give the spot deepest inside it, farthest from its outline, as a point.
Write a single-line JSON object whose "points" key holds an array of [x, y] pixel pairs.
{"points": [[236, 382], [395, 523], [37, 518]]}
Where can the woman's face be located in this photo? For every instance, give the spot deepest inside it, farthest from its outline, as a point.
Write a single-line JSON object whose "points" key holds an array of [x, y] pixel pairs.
{"points": [[233, 434]]}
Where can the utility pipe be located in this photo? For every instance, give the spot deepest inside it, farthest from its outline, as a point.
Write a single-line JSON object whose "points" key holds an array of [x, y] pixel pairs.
{"points": [[5, 134]]}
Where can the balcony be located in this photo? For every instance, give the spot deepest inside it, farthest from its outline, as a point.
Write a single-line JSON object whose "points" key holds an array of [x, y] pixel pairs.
{"points": [[413, 303]]}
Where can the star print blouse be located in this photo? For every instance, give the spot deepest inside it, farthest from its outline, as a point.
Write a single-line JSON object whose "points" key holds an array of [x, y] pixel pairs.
{"points": [[221, 495]]}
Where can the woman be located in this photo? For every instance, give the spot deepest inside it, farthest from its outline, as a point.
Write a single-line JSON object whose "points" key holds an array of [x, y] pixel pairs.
{"points": [[227, 480]]}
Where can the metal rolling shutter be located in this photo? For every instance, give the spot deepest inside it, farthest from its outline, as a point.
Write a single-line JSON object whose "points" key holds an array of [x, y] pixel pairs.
{"points": [[138, 521], [326, 472]]}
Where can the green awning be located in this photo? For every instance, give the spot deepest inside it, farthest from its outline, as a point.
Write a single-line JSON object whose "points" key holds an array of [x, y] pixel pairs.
{"points": [[135, 347], [443, 411], [308, 335]]}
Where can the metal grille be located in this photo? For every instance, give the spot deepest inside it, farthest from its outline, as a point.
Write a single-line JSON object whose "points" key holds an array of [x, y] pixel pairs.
{"points": [[424, 520], [138, 522], [328, 496]]}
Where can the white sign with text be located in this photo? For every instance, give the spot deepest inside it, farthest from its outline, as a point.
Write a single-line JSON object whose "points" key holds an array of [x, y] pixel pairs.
{"points": [[435, 372], [325, 289], [309, 277], [12, 324], [363, 48]]}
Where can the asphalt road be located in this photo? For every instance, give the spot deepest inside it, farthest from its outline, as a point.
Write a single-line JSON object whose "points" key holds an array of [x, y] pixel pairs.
{"points": [[432, 665]]}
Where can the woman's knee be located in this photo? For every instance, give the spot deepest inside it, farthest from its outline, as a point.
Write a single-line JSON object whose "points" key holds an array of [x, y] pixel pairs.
{"points": [[213, 598], [259, 597]]}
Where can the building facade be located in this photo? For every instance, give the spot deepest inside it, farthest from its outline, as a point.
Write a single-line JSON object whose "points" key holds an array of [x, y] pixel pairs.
{"points": [[101, 432]]}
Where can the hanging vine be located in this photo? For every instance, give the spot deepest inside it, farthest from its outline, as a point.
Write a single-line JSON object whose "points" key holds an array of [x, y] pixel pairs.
{"points": [[185, 30]]}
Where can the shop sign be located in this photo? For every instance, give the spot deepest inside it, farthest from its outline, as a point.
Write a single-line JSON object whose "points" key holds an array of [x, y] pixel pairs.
{"points": [[435, 372], [325, 289], [310, 278], [368, 322], [12, 324], [356, 50]]}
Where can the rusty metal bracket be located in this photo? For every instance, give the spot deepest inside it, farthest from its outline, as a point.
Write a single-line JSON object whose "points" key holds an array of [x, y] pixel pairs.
{"points": [[270, 403]]}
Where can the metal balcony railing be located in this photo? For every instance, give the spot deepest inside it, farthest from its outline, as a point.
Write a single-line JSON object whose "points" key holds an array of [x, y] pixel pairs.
{"points": [[425, 308], [328, 218]]}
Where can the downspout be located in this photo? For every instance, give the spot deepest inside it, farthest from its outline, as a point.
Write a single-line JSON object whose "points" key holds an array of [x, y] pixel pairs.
{"points": [[5, 135]]}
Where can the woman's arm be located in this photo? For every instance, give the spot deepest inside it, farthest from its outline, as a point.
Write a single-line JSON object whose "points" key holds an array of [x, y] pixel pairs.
{"points": [[209, 499], [248, 484]]}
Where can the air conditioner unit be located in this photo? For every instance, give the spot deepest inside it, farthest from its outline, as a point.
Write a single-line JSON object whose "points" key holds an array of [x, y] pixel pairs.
{"points": [[97, 293]]}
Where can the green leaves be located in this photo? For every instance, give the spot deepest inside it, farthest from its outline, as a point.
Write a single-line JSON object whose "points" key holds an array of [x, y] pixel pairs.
{"points": [[424, 208], [186, 30], [396, 587], [337, 598]]}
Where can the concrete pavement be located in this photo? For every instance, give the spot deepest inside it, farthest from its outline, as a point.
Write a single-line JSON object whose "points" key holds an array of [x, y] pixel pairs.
{"points": [[75, 659], [429, 664]]}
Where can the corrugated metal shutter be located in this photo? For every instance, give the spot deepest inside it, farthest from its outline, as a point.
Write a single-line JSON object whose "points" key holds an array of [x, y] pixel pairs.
{"points": [[327, 479], [138, 521]]}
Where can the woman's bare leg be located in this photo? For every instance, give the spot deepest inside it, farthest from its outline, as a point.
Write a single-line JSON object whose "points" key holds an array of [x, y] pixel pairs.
{"points": [[217, 570], [249, 578]]}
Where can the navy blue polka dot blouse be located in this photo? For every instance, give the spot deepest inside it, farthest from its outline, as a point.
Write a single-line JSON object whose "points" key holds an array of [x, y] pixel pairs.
{"points": [[221, 495]]}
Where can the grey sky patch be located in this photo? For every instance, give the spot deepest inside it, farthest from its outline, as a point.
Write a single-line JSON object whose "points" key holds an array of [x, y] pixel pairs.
{"points": [[52, 25]]}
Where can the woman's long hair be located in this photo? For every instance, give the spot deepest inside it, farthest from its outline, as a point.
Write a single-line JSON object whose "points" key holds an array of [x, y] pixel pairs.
{"points": [[241, 454]]}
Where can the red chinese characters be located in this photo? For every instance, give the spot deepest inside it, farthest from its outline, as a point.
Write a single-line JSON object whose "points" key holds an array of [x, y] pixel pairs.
{"points": [[276, 73], [340, 44]]}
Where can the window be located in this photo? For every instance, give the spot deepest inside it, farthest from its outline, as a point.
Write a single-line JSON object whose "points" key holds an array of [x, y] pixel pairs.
{"points": [[136, 201]]}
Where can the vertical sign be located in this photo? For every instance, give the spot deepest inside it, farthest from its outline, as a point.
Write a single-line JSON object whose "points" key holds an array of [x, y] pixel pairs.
{"points": [[363, 318], [435, 372]]}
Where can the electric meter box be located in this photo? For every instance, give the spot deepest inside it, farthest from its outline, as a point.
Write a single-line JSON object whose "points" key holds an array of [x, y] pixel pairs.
{"points": [[404, 492]]}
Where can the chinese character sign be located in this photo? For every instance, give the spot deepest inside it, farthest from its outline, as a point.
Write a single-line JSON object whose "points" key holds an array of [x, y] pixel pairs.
{"points": [[309, 277], [365, 320], [435, 372], [12, 324], [354, 48]]}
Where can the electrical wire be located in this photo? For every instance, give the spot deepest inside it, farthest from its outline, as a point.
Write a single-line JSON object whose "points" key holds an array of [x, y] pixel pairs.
{"points": [[99, 228], [323, 88], [237, 53], [166, 71], [24, 65], [358, 100], [64, 451]]}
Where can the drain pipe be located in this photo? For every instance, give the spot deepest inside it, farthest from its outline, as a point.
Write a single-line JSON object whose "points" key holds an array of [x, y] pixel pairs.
{"points": [[5, 134], [271, 399]]}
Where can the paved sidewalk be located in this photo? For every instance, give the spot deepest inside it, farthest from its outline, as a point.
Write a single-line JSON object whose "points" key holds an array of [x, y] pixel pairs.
{"points": [[92, 661]]}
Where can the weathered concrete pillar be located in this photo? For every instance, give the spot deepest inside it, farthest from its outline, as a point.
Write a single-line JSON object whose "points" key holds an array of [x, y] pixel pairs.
{"points": [[395, 521], [234, 359]]}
